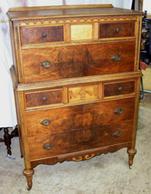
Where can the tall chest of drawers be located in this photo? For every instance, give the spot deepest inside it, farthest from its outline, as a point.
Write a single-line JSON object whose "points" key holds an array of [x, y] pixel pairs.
{"points": [[76, 81]]}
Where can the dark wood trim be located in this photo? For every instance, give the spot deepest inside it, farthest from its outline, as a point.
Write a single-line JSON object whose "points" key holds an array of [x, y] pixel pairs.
{"points": [[8, 136]]}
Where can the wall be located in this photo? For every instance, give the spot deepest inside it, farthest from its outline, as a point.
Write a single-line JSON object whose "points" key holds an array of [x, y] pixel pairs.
{"points": [[147, 6]]}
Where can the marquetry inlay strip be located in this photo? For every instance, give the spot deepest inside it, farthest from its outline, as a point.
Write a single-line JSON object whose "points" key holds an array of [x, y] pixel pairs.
{"points": [[75, 20]]}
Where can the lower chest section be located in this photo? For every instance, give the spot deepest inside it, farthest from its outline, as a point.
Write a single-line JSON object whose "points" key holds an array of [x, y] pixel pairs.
{"points": [[76, 128]]}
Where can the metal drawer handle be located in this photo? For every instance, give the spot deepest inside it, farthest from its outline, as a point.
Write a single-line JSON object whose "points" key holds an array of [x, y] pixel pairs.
{"points": [[117, 30], [45, 122], [44, 98], [48, 146], [116, 134], [44, 35], [116, 58], [120, 88], [45, 64], [119, 111]]}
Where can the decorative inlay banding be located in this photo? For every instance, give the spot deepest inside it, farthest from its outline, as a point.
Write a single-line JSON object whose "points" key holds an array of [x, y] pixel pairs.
{"points": [[76, 20]]}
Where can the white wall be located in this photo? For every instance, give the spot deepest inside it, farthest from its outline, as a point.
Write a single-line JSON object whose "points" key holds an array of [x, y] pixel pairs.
{"points": [[147, 6], [116, 3]]}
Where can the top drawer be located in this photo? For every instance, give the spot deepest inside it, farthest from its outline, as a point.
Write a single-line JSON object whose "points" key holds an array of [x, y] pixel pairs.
{"points": [[117, 29], [32, 35]]}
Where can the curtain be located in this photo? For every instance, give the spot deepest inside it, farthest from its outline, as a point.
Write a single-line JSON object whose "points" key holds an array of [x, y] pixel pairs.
{"points": [[7, 102]]}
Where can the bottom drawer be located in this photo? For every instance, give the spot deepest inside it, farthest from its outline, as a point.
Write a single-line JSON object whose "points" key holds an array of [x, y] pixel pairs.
{"points": [[79, 139]]}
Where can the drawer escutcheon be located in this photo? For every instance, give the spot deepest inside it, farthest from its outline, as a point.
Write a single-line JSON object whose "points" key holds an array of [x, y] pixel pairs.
{"points": [[45, 64], [116, 58], [48, 146], [45, 122], [119, 111], [116, 134]]}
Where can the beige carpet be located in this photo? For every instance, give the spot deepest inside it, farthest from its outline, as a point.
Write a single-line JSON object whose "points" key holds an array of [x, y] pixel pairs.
{"points": [[105, 174]]}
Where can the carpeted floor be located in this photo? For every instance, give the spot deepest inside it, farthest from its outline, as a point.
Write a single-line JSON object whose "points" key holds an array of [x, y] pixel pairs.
{"points": [[105, 174]]}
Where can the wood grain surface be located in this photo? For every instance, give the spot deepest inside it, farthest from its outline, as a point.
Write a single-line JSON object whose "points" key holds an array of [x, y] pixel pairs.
{"points": [[77, 61]]}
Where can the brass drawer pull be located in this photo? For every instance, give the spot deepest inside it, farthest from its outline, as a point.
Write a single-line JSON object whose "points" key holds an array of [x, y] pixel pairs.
{"points": [[116, 58], [116, 134], [44, 35], [48, 146], [45, 122], [117, 30], [44, 98], [120, 88], [119, 111], [45, 64]]}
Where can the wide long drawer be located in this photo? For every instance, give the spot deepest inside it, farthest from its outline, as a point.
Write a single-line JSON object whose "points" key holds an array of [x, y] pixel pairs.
{"points": [[79, 139], [69, 129], [43, 64]]}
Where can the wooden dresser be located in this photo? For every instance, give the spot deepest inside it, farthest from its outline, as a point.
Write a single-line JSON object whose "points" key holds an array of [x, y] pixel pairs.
{"points": [[77, 81]]}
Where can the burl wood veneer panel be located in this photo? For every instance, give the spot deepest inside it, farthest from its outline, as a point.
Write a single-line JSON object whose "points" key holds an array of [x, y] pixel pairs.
{"points": [[79, 128], [117, 29], [44, 97], [79, 139], [31, 35], [119, 88], [75, 61], [62, 120], [83, 93]]}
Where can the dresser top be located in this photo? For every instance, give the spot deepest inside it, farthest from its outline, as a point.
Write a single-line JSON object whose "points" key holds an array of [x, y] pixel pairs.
{"points": [[23, 13]]}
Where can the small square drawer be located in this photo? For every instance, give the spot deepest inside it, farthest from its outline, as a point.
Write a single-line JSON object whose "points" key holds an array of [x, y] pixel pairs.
{"points": [[83, 93], [118, 88], [117, 29], [32, 35], [45, 97], [81, 32]]}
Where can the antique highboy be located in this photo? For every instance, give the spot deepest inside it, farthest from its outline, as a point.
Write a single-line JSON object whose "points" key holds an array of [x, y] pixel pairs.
{"points": [[76, 78]]}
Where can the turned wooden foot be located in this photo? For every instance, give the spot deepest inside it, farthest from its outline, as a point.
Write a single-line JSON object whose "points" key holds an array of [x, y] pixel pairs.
{"points": [[28, 174], [131, 154]]}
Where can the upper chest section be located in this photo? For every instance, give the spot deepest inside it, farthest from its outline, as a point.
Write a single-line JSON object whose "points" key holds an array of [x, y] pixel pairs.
{"points": [[68, 42]]}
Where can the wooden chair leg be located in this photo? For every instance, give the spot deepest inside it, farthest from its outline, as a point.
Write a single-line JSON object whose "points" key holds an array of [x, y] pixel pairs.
{"points": [[7, 140]]}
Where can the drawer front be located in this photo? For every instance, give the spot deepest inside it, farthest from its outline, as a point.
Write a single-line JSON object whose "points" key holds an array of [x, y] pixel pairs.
{"points": [[79, 139], [45, 97], [76, 61], [81, 32], [83, 93], [117, 29], [60, 131], [119, 88], [62, 120], [32, 35]]}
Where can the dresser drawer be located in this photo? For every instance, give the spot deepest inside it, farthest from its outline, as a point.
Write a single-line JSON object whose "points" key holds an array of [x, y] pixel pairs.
{"points": [[44, 97], [62, 120], [84, 93], [117, 29], [78, 139], [76, 61], [32, 35], [119, 88]]}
